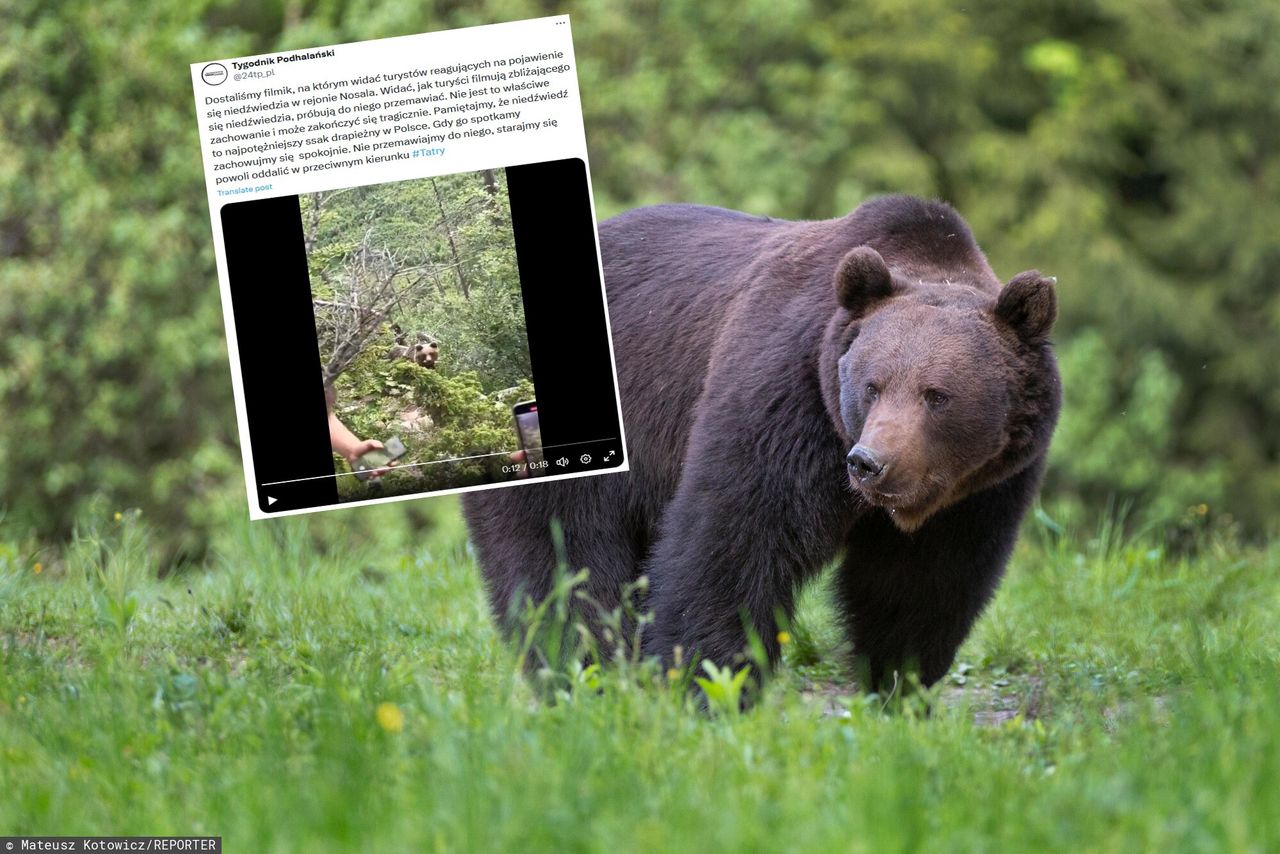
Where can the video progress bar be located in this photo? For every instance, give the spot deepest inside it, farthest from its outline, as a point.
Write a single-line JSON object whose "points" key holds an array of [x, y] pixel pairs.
{"points": [[438, 462]]}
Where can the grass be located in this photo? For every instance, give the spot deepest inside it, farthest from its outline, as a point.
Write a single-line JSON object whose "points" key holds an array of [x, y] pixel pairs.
{"points": [[336, 683]]}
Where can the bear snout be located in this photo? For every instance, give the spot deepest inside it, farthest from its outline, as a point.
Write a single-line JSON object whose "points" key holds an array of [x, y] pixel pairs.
{"points": [[864, 463]]}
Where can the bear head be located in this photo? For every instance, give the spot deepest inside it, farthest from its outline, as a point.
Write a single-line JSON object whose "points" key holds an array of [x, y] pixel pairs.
{"points": [[426, 353], [944, 388]]}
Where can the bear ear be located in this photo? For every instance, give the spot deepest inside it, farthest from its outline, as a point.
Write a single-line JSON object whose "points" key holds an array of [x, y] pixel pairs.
{"points": [[1029, 305], [862, 279]]}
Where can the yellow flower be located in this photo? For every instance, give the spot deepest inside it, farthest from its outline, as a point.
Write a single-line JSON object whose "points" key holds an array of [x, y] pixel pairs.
{"points": [[784, 638], [22, 699], [390, 717], [119, 515], [1202, 509], [38, 568], [673, 675]]}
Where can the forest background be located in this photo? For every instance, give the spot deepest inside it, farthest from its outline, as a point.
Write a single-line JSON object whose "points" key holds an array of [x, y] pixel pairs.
{"points": [[1129, 148], [431, 263]]}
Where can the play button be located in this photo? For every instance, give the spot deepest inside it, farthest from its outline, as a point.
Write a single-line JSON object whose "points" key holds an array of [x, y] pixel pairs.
{"points": [[271, 500]]}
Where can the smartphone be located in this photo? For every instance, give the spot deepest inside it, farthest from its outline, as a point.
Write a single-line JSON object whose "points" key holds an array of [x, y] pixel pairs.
{"points": [[392, 449], [529, 431]]}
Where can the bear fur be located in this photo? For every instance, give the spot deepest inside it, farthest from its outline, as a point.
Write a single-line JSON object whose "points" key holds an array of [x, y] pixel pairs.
{"points": [[425, 352], [862, 388]]}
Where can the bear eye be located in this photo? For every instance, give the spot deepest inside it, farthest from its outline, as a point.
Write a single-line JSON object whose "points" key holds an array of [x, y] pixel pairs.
{"points": [[935, 399], [873, 393]]}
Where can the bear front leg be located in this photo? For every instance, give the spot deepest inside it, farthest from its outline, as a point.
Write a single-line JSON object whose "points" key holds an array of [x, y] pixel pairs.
{"points": [[909, 600], [512, 533], [748, 524]]}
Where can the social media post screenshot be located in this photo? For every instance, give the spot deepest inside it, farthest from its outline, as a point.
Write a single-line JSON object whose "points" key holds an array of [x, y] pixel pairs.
{"points": [[409, 267]]}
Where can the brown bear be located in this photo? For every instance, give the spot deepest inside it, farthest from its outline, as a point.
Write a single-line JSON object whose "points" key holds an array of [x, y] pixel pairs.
{"points": [[425, 354], [860, 388]]}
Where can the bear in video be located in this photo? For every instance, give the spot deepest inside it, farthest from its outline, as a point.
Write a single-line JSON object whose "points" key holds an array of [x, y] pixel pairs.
{"points": [[863, 388], [424, 352], [420, 324]]}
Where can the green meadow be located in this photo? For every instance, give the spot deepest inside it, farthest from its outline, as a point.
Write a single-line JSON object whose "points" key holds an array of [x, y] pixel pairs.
{"points": [[336, 682]]}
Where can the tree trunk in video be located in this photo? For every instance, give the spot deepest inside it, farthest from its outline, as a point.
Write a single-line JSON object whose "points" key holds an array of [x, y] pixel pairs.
{"points": [[453, 246]]}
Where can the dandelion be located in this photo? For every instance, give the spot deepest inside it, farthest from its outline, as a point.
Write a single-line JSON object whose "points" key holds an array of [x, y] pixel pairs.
{"points": [[673, 675], [38, 568], [119, 515], [22, 699], [390, 717], [1202, 509], [784, 638]]}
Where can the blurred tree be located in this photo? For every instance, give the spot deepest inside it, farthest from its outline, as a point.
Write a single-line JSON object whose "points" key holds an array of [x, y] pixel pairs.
{"points": [[113, 374]]}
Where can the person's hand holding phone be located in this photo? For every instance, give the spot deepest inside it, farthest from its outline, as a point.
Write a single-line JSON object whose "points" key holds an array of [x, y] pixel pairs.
{"points": [[369, 459], [366, 448], [378, 459]]}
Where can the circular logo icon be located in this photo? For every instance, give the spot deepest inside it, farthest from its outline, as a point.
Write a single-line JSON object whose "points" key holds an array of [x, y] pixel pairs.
{"points": [[214, 73]]}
